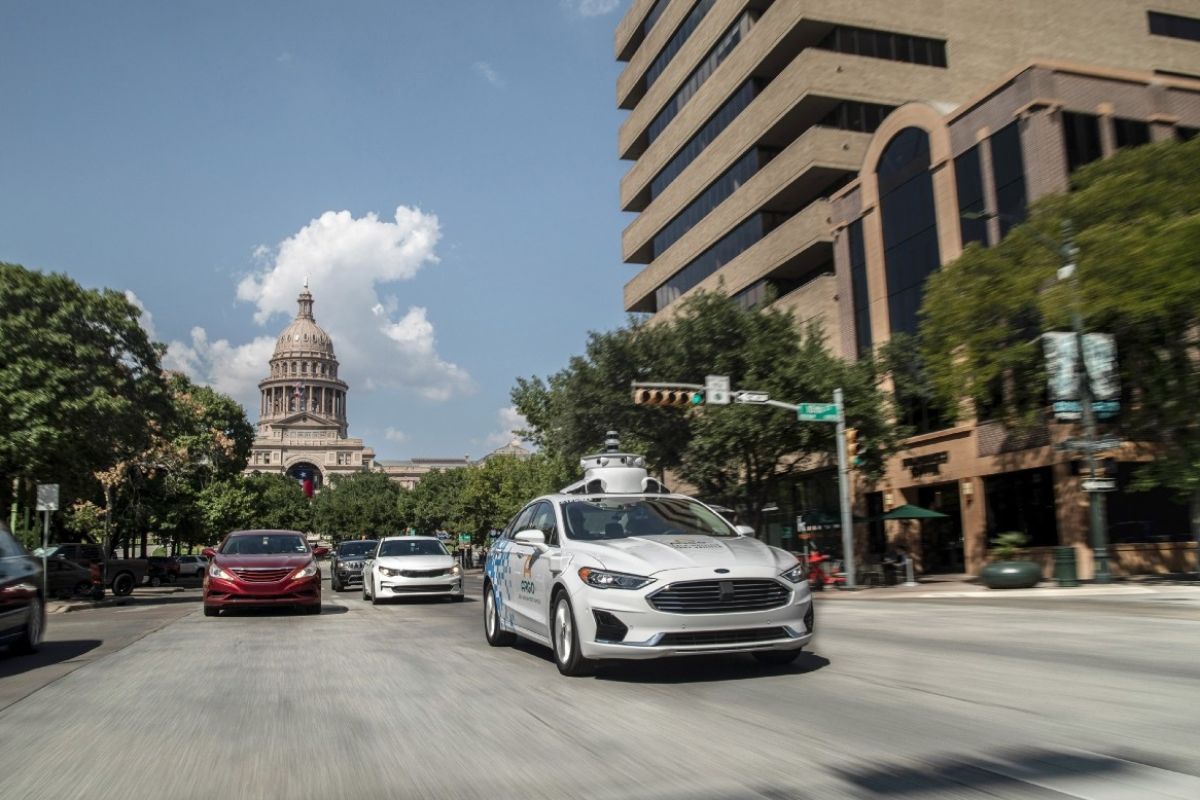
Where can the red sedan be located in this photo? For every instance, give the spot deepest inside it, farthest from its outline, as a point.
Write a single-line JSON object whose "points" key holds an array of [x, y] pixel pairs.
{"points": [[262, 569]]}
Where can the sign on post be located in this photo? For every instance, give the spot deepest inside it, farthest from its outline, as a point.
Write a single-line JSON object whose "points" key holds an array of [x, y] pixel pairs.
{"points": [[1098, 484], [751, 397], [716, 390], [47, 497], [817, 412]]}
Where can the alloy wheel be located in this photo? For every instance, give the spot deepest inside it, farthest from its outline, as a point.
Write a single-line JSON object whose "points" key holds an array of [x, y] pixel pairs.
{"points": [[564, 631]]}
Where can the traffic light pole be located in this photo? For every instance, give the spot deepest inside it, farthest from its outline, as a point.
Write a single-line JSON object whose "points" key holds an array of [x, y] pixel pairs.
{"points": [[844, 493]]}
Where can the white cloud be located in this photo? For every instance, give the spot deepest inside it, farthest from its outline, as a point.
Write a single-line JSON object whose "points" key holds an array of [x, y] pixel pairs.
{"points": [[347, 261], [145, 318], [591, 8], [232, 369], [509, 421], [393, 435], [489, 74]]}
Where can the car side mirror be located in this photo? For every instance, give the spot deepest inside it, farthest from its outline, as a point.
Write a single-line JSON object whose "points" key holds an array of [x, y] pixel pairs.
{"points": [[744, 530], [208, 552], [320, 551], [532, 537]]}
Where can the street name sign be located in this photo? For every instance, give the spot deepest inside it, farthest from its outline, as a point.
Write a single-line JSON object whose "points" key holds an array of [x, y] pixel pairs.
{"points": [[716, 390], [1094, 446], [817, 412], [1098, 484], [751, 397], [47, 497]]}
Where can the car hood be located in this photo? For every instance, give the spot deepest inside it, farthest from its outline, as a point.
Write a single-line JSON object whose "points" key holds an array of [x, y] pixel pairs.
{"points": [[416, 562], [279, 561], [647, 555]]}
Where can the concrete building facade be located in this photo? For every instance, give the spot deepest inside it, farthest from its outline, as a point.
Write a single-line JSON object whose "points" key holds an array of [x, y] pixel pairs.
{"points": [[756, 131]]}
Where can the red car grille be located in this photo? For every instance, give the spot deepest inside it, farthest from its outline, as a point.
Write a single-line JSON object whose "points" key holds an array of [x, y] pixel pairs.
{"points": [[261, 574]]}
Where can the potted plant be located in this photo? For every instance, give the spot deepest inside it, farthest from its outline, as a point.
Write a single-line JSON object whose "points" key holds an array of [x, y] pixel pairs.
{"points": [[1005, 571]]}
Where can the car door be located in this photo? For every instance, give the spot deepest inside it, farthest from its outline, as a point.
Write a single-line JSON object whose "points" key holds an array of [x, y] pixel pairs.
{"points": [[508, 569], [529, 575]]}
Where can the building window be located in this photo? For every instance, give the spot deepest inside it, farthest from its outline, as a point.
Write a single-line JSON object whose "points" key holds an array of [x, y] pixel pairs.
{"points": [[851, 115], [1175, 26], [707, 67], [716, 193], [906, 209], [968, 177], [733, 244], [770, 289], [859, 288], [1186, 134], [1151, 516], [709, 131], [677, 40], [1081, 136], [1022, 501], [1008, 173], [1131, 132], [653, 14], [885, 44]]}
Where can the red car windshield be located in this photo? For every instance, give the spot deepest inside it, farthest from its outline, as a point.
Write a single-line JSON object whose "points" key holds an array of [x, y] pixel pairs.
{"points": [[266, 544]]}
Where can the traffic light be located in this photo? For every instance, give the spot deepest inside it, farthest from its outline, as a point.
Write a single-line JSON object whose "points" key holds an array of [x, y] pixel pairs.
{"points": [[668, 396], [854, 450]]}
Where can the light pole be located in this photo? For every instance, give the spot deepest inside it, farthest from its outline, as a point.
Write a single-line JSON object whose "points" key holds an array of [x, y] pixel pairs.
{"points": [[1068, 252]]}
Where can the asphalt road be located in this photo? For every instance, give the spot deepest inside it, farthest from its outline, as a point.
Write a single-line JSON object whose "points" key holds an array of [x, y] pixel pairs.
{"points": [[905, 699]]}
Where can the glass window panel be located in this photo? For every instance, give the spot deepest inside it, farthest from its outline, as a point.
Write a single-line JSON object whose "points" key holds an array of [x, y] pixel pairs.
{"points": [[1174, 26], [1008, 173], [1081, 137], [1131, 132], [860, 289], [906, 206], [969, 180], [677, 40]]}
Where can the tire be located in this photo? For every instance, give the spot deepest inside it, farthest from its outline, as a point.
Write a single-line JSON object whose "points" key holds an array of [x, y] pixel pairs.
{"points": [[155, 581], [777, 658], [564, 635], [171, 578], [211, 611], [374, 594], [31, 634], [82, 589], [123, 584], [333, 583], [496, 636]]}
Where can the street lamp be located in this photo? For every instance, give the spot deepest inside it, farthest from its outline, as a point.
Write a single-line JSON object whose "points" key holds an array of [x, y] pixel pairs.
{"points": [[1068, 252]]}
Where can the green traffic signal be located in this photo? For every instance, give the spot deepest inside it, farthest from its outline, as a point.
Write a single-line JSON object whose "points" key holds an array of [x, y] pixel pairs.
{"points": [[697, 398]]}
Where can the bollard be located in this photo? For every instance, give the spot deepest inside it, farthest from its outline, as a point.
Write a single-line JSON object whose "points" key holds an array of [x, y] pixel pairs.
{"points": [[1064, 566]]}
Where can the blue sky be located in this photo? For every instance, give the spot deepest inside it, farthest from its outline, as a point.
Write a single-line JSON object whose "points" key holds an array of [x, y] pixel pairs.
{"points": [[201, 155]]}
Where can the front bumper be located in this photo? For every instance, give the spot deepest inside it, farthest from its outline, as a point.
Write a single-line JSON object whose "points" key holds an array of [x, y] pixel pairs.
{"points": [[220, 593], [618, 624], [349, 577], [438, 586]]}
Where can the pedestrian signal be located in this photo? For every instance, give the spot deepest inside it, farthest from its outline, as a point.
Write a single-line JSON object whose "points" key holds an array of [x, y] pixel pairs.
{"points": [[680, 398]]}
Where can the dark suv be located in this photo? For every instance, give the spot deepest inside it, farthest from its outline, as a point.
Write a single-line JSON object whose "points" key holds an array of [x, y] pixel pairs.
{"points": [[346, 563]]}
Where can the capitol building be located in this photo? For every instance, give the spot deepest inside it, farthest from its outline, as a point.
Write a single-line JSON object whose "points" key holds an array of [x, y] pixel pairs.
{"points": [[302, 423]]}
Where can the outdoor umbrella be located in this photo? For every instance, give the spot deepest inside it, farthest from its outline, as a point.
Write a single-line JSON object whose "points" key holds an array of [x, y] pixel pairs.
{"points": [[912, 512]]}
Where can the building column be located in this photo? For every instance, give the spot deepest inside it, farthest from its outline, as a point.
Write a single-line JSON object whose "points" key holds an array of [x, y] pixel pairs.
{"points": [[1070, 509], [973, 503], [1108, 131], [1046, 163]]}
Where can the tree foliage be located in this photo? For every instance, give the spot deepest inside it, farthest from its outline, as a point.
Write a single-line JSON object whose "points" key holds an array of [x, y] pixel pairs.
{"points": [[1136, 220], [353, 506]]}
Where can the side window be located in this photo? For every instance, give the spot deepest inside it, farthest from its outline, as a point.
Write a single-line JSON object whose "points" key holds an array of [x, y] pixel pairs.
{"points": [[522, 522], [9, 547], [544, 521]]}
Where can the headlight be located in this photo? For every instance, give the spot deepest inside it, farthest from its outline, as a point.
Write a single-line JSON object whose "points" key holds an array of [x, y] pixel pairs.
{"points": [[602, 579], [796, 574], [455, 570], [216, 572], [389, 573], [307, 571]]}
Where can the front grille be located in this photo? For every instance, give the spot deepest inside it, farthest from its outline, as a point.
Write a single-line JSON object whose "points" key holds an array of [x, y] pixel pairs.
{"points": [[718, 597], [746, 636], [435, 587], [423, 573], [261, 574]]}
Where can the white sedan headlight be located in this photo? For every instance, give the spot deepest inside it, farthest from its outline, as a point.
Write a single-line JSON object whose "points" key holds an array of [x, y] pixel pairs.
{"points": [[307, 571], [602, 579], [388, 573], [796, 574], [455, 570], [216, 572]]}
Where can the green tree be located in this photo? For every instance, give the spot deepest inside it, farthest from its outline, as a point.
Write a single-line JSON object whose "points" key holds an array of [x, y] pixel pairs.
{"points": [[279, 503], [436, 502], [495, 490], [1136, 218], [224, 506], [362, 504]]}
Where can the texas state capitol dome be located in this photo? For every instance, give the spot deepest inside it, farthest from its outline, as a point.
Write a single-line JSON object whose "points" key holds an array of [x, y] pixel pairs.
{"points": [[302, 422]]}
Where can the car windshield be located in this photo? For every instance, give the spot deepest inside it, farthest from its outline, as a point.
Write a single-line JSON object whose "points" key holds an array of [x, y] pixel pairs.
{"points": [[356, 549], [412, 547], [621, 517], [264, 544]]}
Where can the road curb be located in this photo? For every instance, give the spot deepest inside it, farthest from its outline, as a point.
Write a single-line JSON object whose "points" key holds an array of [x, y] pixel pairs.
{"points": [[64, 607]]}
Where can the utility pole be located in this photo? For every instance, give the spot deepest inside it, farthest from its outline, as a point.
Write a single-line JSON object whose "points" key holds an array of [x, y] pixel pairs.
{"points": [[844, 492]]}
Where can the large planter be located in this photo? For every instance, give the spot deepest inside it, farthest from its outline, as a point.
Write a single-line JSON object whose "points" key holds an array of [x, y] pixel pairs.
{"points": [[1011, 574]]}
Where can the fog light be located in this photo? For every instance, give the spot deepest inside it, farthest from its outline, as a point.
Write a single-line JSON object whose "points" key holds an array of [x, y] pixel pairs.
{"points": [[608, 627]]}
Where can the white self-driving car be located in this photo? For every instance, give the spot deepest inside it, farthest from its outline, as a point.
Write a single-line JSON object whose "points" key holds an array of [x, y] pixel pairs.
{"points": [[614, 567], [411, 566]]}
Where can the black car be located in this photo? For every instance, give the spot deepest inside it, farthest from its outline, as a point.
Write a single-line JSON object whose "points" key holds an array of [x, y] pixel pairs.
{"points": [[346, 563], [22, 606], [66, 579]]}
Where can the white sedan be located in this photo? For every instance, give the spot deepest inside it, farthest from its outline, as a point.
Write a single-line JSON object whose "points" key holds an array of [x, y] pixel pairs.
{"points": [[411, 566], [615, 568]]}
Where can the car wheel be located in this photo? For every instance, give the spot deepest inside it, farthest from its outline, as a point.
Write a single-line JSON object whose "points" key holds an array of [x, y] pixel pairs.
{"points": [[565, 638], [365, 595], [211, 611], [777, 658], [374, 595], [496, 636], [333, 583], [31, 635], [171, 577], [82, 589], [123, 584]]}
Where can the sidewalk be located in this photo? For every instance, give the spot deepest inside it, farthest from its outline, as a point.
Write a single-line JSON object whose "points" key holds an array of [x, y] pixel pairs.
{"points": [[140, 593], [964, 586]]}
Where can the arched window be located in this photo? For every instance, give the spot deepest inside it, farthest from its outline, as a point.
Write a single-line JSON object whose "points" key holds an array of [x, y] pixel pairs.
{"points": [[910, 240]]}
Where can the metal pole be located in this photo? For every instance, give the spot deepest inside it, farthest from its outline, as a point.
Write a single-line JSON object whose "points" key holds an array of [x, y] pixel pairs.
{"points": [[844, 492], [1099, 534], [45, 545]]}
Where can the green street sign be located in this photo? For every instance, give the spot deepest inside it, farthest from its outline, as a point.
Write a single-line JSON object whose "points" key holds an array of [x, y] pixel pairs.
{"points": [[817, 412], [464, 538]]}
